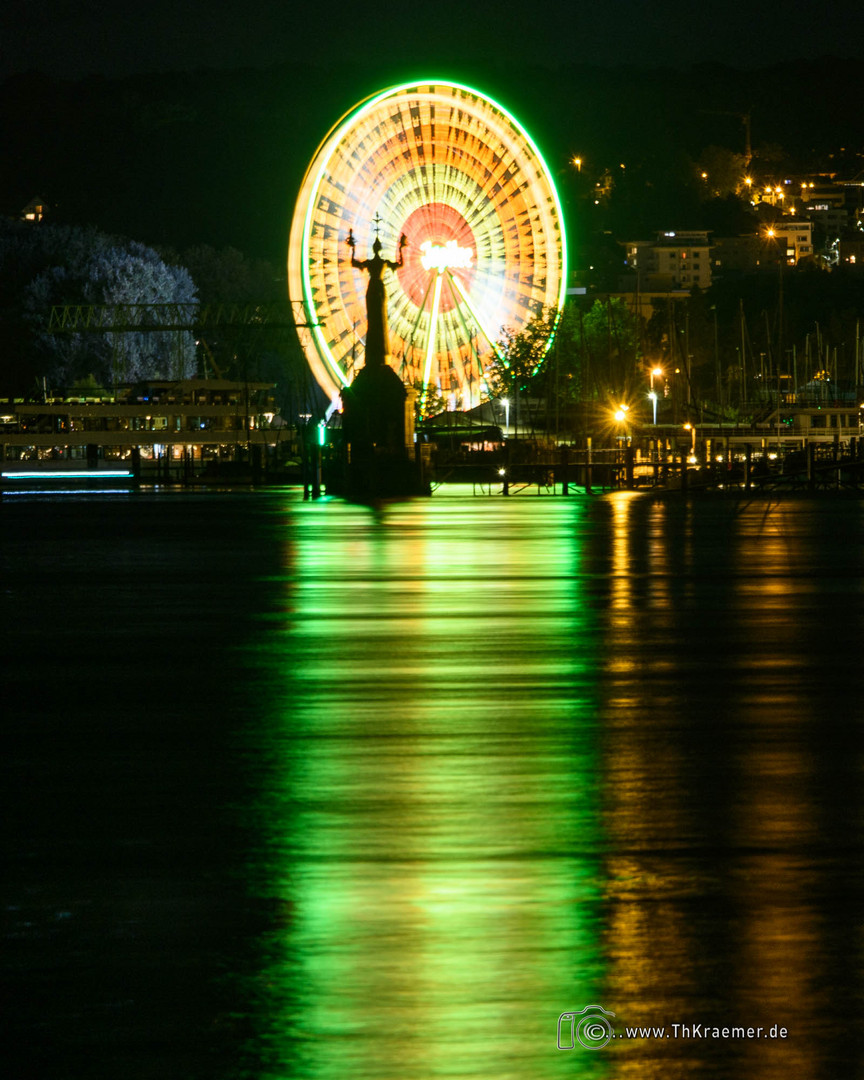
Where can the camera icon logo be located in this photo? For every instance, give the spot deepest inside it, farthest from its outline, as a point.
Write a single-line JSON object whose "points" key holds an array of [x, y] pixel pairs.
{"points": [[589, 1028]]}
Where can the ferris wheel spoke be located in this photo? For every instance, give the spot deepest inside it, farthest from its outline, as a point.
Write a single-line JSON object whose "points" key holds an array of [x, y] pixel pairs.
{"points": [[453, 346], [464, 294], [420, 311], [469, 334], [433, 334]]}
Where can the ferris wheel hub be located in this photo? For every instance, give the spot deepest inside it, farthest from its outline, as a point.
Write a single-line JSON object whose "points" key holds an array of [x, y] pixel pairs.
{"points": [[446, 256]]}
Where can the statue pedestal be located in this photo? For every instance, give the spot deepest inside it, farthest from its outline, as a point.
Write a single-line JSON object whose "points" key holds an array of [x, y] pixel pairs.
{"points": [[373, 410], [378, 439]]}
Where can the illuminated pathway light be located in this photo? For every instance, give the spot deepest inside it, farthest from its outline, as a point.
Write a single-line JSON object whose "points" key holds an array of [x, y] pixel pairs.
{"points": [[457, 175]]}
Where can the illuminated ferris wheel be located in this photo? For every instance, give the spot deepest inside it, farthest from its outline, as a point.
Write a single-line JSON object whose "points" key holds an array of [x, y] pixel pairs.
{"points": [[456, 174]]}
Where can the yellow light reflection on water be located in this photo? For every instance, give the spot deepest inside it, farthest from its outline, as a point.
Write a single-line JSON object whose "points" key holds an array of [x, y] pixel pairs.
{"points": [[430, 801], [725, 848]]}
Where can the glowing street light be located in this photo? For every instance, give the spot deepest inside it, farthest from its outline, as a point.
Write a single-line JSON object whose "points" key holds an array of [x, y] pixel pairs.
{"points": [[577, 161], [654, 373], [620, 417]]}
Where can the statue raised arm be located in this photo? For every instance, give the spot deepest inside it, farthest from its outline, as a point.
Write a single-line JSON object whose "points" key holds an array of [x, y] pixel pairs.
{"points": [[403, 243], [376, 264]]}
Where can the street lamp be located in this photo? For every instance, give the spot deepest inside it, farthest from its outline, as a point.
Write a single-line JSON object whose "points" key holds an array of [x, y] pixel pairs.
{"points": [[620, 416], [654, 373]]}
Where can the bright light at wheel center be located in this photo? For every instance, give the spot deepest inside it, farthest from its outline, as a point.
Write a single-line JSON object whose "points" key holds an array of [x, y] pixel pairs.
{"points": [[450, 256]]}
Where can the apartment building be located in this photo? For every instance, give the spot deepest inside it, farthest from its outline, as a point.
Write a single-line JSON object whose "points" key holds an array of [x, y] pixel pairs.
{"points": [[676, 259]]}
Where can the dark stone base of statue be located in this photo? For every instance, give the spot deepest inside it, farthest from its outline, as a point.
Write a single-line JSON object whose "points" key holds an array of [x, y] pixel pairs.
{"points": [[376, 477], [378, 460], [373, 410]]}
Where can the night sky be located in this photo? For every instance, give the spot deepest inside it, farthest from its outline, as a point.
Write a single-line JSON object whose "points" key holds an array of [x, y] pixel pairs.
{"points": [[215, 152], [73, 39]]}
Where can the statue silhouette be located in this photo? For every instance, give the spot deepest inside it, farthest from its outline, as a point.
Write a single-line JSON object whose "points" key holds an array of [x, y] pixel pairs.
{"points": [[377, 409], [377, 333]]}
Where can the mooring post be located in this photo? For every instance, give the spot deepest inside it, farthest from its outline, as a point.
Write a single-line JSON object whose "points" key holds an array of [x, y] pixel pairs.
{"points": [[418, 465], [304, 465], [628, 467], [835, 457], [587, 464], [316, 471]]}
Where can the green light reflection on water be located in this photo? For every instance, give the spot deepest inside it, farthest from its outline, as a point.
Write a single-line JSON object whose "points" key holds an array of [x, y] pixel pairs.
{"points": [[428, 798]]}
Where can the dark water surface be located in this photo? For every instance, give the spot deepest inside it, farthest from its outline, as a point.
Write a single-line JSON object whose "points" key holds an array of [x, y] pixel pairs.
{"points": [[311, 790]]}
